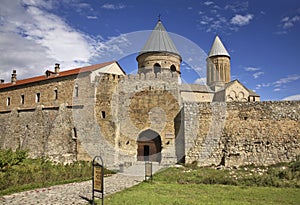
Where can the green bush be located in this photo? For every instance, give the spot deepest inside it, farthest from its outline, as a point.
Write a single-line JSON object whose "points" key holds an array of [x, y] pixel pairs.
{"points": [[8, 158], [279, 175], [295, 166], [20, 173]]}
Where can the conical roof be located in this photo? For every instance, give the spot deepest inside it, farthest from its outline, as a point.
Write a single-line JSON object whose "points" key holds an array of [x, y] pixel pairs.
{"points": [[159, 41], [218, 48]]}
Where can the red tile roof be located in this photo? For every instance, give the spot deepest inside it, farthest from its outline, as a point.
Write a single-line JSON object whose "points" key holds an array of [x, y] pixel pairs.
{"points": [[61, 74]]}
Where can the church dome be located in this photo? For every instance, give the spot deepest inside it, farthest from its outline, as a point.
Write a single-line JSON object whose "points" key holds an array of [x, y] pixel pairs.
{"points": [[159, 41], [218, 49]]}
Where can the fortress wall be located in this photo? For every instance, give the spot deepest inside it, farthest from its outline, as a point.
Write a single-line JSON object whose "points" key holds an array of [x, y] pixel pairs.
{"points": [[61, 130], [47, 133], [260, 133], [232, 134]]}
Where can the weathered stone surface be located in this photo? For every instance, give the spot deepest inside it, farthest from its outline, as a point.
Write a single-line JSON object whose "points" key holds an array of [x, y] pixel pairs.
{"points": [[260, 133]]}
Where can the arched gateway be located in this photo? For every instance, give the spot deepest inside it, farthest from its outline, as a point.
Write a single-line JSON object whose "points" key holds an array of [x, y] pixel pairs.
{"points": [[149, 146]]}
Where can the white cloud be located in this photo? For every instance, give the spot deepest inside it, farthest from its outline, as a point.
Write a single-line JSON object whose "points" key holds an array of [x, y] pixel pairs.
{"points": [[257, 74], [289, 22], [201, 81], [251, 69], [207, 3], [92, 17], [237, 7], [285, 80], [213, 24], [241, 20], [258, 86], [285, 19], [216, 19], [292, 97], [276, 89], [51, 32], [278, 83], [39, 3], [113, 6], [33, 39]]}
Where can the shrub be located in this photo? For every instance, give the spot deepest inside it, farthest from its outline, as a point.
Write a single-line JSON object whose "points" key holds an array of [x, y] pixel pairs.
{"points": [[279, 175], [18, 171], [8, 158], [295, 166]]}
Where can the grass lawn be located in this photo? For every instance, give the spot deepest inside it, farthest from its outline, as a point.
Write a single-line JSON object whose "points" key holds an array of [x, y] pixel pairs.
{"points": [[192, 185], [189, 194]]}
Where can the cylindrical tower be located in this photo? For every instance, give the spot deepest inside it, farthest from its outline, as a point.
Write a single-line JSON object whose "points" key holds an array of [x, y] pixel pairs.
{"points": [[218, 66]]}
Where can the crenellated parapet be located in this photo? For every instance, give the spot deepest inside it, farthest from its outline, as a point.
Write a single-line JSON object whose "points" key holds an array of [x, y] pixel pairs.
{"points": [[136, 82], [165, 75]]}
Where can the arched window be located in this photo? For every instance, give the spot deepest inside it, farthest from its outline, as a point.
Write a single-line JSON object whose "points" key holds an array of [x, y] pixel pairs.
{"points": [[8, 101], [103, 114], [22, 99], [38, 97], [55, 94], [173, 68], [74, 134], [157, 68], [76, 90]]}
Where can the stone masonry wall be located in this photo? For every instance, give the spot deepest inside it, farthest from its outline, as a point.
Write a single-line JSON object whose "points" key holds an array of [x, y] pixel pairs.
{"points": [[110, 113], [45, 133], [235, 134], [145, 102], [52, 127]]}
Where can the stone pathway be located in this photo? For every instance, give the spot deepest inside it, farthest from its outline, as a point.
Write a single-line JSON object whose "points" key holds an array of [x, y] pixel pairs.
{"points": [[73, 193]]}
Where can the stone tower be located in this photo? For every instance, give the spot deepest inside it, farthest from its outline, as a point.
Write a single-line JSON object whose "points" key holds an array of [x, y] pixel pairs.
{"points": [[218, 66], [159, 53]]}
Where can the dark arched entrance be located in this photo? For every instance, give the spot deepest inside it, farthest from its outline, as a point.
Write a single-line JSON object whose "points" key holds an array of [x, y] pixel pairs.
{"points": [[149, 146]]}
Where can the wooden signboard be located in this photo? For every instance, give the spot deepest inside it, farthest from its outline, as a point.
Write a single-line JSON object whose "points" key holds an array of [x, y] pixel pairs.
{"points": [[98, 176]]}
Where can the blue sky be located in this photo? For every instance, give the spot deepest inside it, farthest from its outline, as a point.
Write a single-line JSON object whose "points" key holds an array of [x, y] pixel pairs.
{"points": [[262, 37]]}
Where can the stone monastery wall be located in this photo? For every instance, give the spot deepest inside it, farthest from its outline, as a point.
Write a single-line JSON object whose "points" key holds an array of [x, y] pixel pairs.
{"points": [[110, 113], [234, 134], [42, 132]]}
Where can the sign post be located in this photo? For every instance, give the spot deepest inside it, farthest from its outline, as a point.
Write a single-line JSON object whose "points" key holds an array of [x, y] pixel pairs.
{"points": [[148, 170], [98, 175]]}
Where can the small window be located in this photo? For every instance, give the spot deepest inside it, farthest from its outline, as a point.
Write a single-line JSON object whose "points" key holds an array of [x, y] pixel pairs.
{"points": [[8, 101], [173, 68], [22, 99], [55, 94], [38, 97], [157, 68], [74, 134], [103, 114], [76, 91]]}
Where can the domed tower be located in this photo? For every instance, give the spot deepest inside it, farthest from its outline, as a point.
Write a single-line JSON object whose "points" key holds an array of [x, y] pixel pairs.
{"points": [[159, 53], [218, 66]]}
